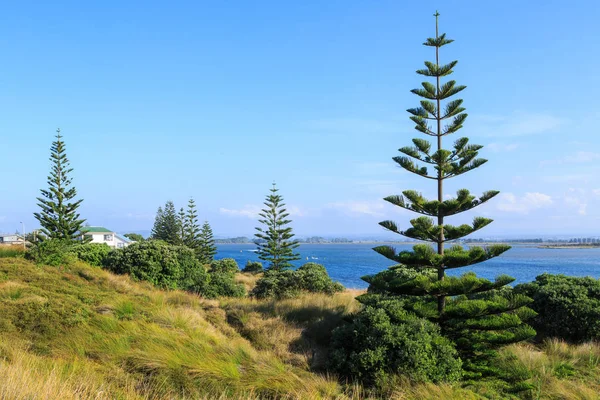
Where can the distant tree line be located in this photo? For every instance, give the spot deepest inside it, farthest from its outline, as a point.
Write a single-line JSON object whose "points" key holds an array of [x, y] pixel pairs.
{"points": [[182, 229], [588, 240]]}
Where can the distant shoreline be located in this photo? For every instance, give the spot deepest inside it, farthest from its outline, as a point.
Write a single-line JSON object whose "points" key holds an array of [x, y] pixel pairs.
{"points": [[336, 243], [567, 246], [517, 244]]}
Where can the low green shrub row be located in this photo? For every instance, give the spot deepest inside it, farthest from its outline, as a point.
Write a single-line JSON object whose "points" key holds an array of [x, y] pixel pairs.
{"points": [[310, 277], [60, 252], [164, 265], [568, 307]]}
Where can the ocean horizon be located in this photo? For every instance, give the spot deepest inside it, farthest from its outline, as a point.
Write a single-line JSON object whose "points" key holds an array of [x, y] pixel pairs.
{"points": [[348, 262]]}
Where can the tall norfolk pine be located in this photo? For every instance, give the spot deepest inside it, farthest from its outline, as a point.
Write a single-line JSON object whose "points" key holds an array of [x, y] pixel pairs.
{"points": [[467, 308], [275, 241], [58, 216]]}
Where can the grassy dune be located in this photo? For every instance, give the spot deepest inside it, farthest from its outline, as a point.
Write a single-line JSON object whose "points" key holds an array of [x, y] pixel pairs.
{"points": [[83, 333]]}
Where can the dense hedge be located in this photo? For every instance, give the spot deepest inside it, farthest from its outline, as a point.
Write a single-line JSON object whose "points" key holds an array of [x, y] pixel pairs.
{"points": [[225, 266], [568, 307], [92, 253], [384, 341], [310, 277], [52, 252], [56, 252], [164, 265]]}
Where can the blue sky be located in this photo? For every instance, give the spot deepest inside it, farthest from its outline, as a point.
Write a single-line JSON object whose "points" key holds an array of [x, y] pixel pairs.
{"points": [[162, 101]]}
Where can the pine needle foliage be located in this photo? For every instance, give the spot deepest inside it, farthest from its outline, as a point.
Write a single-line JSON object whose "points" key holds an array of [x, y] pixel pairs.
{"points": [[157, 229], [167, 226], [207, 248], [58, 216], [191, 229], [182, 223], [275, 240], [479, 315]]}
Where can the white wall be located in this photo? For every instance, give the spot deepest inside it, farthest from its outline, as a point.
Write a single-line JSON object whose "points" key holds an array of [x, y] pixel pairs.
{"points": [[98, 237]]}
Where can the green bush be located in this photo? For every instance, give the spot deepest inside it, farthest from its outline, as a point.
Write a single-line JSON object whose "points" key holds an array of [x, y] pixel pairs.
{"points": [[223, 285], [221, 280], [164, 265], [277, 284], [52, 252], [310, 277], [380, 343], [91, 253], [568, 307], [253, 267], [314, 278], [226, 266]]}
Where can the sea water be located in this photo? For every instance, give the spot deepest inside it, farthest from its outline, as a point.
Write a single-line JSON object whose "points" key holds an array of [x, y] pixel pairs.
{"points": [[347, 263]]}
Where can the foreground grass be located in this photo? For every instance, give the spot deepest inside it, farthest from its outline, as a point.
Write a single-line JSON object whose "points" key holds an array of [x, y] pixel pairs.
{"points": [[83, 333], [11, 251]]}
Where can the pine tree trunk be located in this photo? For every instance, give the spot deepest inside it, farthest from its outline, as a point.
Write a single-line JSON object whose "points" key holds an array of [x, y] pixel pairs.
{"points": [[440, 180]]}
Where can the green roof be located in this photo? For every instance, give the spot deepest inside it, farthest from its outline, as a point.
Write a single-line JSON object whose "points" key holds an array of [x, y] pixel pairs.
{"points": [[95, 229]]}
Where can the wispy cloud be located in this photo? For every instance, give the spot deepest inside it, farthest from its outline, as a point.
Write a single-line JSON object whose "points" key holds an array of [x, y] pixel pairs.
{"points": [[501, 147], [251, 211], [523, 204], [568, 178], [373, 208], [248, 211], [517, 124], [580, 157], [580, 198]]}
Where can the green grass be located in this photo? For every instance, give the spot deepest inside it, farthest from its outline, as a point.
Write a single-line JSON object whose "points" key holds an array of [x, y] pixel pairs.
{"points": [[79, 332], [11, 251], [129, 339]]}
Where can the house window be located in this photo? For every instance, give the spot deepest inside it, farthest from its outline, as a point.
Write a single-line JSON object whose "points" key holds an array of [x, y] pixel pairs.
{"points": [[108, 238], [120, 245]]}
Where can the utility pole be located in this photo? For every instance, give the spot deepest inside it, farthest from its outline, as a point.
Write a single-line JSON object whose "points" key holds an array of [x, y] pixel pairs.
{"points": [[23, 232]]}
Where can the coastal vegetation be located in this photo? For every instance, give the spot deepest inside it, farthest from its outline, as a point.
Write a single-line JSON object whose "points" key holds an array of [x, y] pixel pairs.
{"points": [[161, 318], [78, 332], [455, 325], [58, 214], [274, 240]]}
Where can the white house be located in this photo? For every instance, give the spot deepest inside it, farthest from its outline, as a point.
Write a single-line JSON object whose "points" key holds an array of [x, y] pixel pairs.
{"points": [[103, 235], [11, 238]]}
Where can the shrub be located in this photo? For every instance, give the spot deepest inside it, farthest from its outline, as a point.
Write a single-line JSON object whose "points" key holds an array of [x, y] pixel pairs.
{"points": [[164, 265], [277, 284], [253, 267], [226, 265], [221, 280], [310, 277], [223, 285], [382, 342], [52, 252], [91, 253], [568, 307], [314, 278]]}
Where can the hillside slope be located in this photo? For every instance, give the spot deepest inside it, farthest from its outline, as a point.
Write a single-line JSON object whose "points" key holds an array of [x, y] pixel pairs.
{"points": [[82, 332]]}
